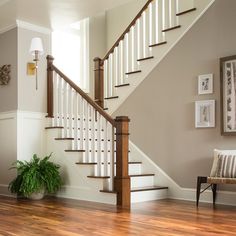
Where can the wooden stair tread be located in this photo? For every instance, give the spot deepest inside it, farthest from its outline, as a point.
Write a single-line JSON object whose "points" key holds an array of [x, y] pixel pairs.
{"points": [[133, 72], [74, 150], [98, 177], [114, 97], [141, 175], [187, 11], [121, 85], [171, 28], [108, 191], [55, 127], [145, 58], [147, 188], [64, 138], [95, 163], [158, 44]]}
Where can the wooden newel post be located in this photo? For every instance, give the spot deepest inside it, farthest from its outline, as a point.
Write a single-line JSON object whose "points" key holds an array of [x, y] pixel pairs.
{"points": [[122, 179], [99, 82], [50, 86]]}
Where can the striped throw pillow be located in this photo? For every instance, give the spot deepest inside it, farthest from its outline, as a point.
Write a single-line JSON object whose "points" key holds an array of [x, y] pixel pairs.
{"points": [[227, 166]]}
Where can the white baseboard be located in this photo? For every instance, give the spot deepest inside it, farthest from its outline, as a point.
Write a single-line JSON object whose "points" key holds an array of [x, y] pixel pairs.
{"points": [[86, 194], [4, 191]]}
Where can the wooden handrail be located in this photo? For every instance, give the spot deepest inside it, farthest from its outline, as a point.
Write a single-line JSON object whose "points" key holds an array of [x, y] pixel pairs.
{"points": [[127, 29], [85, 96]]}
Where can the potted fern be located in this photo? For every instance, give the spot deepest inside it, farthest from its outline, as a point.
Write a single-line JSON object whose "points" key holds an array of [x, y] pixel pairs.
{"points": [[36, 177]]}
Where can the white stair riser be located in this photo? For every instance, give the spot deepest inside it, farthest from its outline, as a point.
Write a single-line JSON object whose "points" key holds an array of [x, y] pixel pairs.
{"points": [[144, 196], [135, 169], [142, 181]]}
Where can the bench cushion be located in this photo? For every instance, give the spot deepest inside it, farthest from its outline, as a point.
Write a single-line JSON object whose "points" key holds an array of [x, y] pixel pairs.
{"points": [[227, 166], [216, 161]]}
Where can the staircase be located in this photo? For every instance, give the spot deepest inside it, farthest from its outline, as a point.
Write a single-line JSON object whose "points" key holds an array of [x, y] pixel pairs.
{"points": [[151, 35], [91, 146]]}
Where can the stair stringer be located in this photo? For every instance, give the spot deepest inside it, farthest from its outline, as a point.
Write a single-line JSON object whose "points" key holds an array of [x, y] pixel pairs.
{"points": [[159, 52], [76, 184]]}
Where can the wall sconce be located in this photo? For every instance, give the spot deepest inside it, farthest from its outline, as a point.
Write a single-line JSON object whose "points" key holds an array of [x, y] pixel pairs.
{"points": [[36, 49]]}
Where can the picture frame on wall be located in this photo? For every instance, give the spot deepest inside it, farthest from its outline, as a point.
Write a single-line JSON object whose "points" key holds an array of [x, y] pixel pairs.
{"points": [[205, 84], [228, 95], [205, 114]]}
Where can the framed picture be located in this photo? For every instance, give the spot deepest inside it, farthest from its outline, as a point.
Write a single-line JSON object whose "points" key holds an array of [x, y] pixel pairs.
{"points": [[205, 114], [205, 84], [228, 95]]}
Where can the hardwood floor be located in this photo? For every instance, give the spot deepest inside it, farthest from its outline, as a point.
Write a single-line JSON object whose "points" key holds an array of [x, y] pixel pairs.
{"points": [[53, 216]]}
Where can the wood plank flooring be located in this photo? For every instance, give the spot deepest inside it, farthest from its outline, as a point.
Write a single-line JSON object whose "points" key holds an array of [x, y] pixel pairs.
{"points": [[53, 216]]}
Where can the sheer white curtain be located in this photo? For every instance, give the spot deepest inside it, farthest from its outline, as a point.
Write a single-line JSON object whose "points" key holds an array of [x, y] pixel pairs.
{"points": [[70, 48]]}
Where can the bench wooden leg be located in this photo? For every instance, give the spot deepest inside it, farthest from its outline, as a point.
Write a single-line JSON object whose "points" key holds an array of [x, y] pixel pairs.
{"points": [[200, 180], [214, 188]]}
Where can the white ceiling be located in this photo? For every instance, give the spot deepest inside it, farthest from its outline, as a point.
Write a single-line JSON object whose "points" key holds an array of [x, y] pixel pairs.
{"points": [[52, 13]]}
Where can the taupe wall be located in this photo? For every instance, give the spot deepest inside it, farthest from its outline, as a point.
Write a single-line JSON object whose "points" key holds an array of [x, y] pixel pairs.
{"points": [[28, 98], [8, 55], [118, 18], [162, 107], [97, 43]]}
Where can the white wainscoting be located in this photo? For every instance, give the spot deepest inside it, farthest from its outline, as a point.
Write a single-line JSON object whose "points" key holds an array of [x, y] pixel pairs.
{"points": [[30, 134], [8, 149], [22, 134]]}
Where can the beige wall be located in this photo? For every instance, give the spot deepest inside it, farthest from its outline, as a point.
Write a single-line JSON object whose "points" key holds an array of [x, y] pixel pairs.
{"points": [[117, 19], [30, 99], [162, 107], [8, 55], [97, 44]]}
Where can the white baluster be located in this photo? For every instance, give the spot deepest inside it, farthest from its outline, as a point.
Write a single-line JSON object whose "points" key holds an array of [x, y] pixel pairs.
{"points": [[160, 19], [121, 62], [55, 99], [93, 136], [81, 126], [116, 66], [166, 6], [111, 76], [67, 110], [86, 133], [60, 102], [106, 78], [140, 37], [99, 153], [70, 110], [112, 157], [153, 23], [106, 153], [129, 51], [65, 107], [76, 120], [173, 12], [125, 56]]}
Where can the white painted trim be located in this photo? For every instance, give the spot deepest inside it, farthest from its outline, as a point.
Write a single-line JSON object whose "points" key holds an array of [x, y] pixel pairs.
{"points": [[86, 194], [36, 28], [4, 191], [175, 191], [7, 28]]}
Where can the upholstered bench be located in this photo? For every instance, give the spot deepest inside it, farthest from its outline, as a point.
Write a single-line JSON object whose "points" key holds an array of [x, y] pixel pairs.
{"points": [[223, 172]]}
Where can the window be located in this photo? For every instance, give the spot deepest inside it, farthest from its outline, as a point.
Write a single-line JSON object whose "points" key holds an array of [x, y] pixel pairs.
{"points": [[70, 48]]}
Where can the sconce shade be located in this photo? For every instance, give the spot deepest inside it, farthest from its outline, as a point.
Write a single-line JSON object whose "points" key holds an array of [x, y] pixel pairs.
{"points": [[36, 45]]}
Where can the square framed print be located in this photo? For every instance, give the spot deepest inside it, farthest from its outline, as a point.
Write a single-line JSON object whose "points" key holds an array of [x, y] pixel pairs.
{"points": [[228, 95], [205, 84], [205, 114]]}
